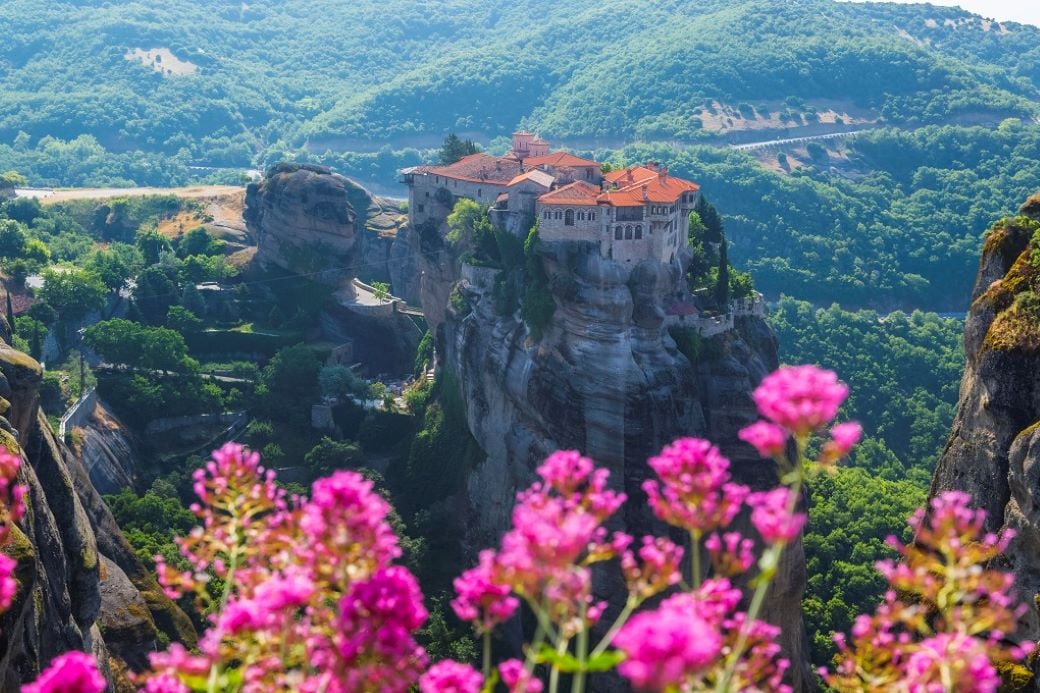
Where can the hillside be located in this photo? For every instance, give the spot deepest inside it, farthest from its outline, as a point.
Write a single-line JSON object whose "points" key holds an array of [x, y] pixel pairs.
{"points": [[361, 74]]}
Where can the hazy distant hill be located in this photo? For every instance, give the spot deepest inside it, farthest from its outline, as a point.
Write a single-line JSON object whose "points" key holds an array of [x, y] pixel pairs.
{"points": [[234, 78]]}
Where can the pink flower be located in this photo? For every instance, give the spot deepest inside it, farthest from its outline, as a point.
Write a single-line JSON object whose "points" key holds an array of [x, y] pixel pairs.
{"points": [[72, 672], [771, 517], [769, 439], [694, 492], [669, 648], [8, 584], [165, 683], [657, 570], [844, 437], [481, 600], [451, 677], [960, 660], [800, 398], [517, 679], [731, 554], [377, 621]]}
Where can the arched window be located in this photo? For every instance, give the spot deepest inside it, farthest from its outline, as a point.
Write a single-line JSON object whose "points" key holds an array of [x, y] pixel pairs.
{"points": [[617, 233], [568, 218], [628, 232], [639, 232], [592, 216], [581, 216], [545, 214], [556, 215]]}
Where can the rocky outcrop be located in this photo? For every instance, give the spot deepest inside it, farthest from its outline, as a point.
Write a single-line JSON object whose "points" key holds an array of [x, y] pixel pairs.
{"points": [[308, 220], [993, 451], [107, 450], [606, 379], [61, 545]]}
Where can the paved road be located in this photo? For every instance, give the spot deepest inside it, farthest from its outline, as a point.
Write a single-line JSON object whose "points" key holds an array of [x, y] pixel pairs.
{"points": [[49, 195]]}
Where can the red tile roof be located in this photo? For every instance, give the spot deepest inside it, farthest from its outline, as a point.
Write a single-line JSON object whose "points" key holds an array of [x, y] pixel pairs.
{"points": [[577, 193], [540, 177], [560, 159], [479, 168], [638, 185]]}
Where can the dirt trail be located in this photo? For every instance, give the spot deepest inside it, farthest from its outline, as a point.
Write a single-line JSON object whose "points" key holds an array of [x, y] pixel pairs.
{"points": [[194, 191]]}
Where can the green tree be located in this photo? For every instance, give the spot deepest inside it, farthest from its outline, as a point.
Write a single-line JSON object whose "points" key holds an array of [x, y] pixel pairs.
{"points": [[183, 320], [150, 348], [72, 292], [12, 238], [382, 290], [152, 245], [722, 293], [198, 242], [111, 268], [340, 381], [709, 216], [329, 455], [455, 148], [154, 294]]}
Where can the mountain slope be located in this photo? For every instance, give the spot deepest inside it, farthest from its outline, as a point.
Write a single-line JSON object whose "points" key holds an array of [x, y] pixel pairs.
{"points": [[245, 76]]}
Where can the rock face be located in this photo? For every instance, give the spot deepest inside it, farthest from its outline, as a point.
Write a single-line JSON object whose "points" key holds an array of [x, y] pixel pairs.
{"points": [[108, 451], [994, 449], [62, 545], [312, 222], [307, 220], [606, 379]]}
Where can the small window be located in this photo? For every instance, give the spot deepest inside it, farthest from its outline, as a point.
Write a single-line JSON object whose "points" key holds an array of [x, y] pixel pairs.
{"points": [[479, 193], [617, 233], [639, 232], [421, 208], [592, 216], [581, 216], [558, 215], [427, 193], [628, 232], [568, 218]]}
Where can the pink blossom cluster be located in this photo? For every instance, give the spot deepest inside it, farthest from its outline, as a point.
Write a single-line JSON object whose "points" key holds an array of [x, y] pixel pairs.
{"points": [[945, 622], [12, 497], [312, 599]]}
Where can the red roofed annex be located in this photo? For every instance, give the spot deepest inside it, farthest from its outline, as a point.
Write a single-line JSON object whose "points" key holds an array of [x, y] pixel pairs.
{"points": [[632, 214]]}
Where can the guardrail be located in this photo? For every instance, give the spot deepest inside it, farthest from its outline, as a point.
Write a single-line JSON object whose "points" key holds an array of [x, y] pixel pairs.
{"points": [[78, 413]]}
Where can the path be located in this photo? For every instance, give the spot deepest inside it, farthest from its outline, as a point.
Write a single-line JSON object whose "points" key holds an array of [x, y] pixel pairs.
{"points": [[50, 196]]}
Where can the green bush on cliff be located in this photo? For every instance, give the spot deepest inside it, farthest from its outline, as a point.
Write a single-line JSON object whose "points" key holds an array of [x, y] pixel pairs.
{"points": [[538, 306]]}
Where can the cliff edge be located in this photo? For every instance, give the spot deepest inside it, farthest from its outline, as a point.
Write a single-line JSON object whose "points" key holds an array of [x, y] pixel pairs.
{"points": [[993, 451]]}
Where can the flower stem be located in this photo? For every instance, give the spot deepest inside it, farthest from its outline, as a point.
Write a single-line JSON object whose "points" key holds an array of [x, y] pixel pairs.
{"points": [[487, 655], [554, 673], [578, 681], [695, 559], [770, 561], [630, 606]]}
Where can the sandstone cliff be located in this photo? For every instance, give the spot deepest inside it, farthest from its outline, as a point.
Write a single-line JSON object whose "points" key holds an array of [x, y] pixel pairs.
{"points": [[80, 584], [606, 379], [994, 449]]}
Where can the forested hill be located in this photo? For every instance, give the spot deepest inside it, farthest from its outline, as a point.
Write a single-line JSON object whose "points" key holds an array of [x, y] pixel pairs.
{"points": [[223, 81]]}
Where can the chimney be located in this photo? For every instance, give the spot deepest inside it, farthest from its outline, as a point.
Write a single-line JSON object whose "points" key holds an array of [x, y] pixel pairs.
{"points": [[645, 195], [662, 173]]}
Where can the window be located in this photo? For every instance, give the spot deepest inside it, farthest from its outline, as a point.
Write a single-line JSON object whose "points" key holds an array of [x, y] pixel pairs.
{"points": [[592, 216], [568, 218], [639, 232], [617, 233], [557, 215], [581, 216], [421, 208], [628, 232], [427, 193], [545, 214], [588, 174], [479, 194]]}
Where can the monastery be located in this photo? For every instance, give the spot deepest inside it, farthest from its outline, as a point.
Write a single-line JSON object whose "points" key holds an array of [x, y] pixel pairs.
{"points": [[633, 214]]}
